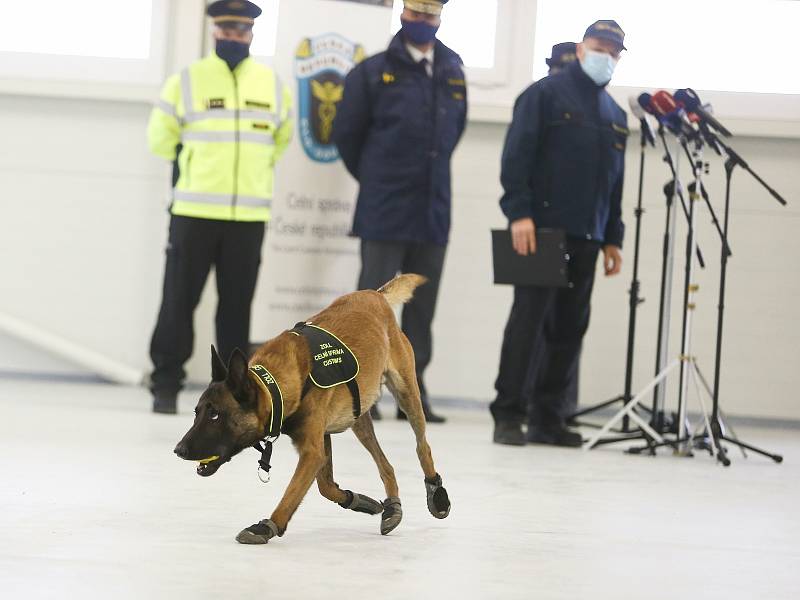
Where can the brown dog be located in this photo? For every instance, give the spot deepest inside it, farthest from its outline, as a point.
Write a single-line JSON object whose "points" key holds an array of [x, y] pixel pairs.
{"points": [[236, 410]]}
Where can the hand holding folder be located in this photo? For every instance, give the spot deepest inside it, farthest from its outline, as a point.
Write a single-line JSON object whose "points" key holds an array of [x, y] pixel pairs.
{"points": [[547, 267]]}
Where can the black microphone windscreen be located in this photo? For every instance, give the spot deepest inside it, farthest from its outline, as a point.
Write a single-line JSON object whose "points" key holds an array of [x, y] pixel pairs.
{"points": [[644, 100], [688, 98]]}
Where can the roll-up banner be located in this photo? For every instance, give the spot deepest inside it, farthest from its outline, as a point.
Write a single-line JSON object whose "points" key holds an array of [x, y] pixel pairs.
{"points": [[309, 258]]}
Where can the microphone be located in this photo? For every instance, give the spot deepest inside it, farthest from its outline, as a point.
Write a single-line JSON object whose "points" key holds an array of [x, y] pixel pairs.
{"points": [[671, 115], [645, 101], [689, 98], [638, 112]]}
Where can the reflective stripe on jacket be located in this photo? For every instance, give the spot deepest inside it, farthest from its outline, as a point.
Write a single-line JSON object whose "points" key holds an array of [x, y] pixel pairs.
{"points": [[232, 127]]}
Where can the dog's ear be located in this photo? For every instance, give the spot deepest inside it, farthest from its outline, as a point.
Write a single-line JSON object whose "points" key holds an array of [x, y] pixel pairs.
{"points": [[218, 370], [238, 380]]}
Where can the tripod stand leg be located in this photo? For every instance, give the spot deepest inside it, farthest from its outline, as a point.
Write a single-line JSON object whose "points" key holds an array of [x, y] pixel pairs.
{"points": [[720, 432], [627, 410], [645, 426], [776, 457], [724, 424], [715, 448], [586, 411]]}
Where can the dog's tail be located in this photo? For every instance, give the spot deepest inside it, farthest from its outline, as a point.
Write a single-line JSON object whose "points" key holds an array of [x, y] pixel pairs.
{"points": [[400, 289]]}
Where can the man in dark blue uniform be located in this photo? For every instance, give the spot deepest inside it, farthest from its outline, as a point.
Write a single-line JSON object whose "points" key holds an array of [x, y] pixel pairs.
{"points": [[561, 55], [562, 167], [403, 112]]}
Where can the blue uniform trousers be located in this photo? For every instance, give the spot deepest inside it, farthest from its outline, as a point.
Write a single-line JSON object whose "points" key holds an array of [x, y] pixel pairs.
{"points": [[542, 343]]}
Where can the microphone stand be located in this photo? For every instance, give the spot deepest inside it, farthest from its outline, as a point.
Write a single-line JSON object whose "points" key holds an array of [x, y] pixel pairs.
{"points": [[671, 190], [651, 432], [688, 366], [717, 431]]}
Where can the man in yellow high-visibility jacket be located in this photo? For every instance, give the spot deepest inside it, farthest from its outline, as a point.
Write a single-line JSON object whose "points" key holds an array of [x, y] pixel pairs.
{"points": [[224, 121]]}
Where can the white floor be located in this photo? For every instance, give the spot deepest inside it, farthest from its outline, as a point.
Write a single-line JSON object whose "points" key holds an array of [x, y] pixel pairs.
{"points": [[95, 505]]}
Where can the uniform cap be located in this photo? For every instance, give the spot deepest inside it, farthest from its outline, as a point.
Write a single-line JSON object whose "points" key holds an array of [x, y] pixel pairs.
{"points": [[431, 7], [606, 30], [233, 12], [562, 54]]}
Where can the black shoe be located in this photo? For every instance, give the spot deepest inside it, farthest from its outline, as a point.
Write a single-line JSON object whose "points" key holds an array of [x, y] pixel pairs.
{"points": [[560, 436], [375, 413], [430, 416], [508, 433], [165, 404]]}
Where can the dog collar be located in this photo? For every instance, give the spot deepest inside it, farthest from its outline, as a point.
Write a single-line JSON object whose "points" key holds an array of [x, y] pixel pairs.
{"points": [[270, 385], [276, 399]]}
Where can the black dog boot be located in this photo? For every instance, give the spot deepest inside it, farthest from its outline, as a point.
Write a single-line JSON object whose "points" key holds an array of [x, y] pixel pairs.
{"points": [[392, 514], [165, 403], [260, 533], [361, 503], [438, 502]]}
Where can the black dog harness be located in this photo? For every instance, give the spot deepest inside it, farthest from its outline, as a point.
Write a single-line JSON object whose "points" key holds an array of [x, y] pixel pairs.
{"points": [[332, 364]]}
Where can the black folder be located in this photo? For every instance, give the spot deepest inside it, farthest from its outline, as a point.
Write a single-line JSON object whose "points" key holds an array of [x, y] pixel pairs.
{"points": [[546, 268]]}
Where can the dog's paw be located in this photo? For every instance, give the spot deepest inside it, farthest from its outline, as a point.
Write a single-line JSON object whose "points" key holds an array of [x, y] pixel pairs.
{"points": [[361, 503], [260, 533], [392, 514], [438, 501]]}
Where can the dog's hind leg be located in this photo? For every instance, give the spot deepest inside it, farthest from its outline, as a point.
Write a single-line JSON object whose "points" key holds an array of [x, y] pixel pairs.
{"points": [[344, 498], [401, 379], [392, 510]]}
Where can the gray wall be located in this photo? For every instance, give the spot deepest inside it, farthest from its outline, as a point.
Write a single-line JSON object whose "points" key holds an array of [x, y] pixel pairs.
{"points": [[762, 336], [84, 227], [85, 224]]}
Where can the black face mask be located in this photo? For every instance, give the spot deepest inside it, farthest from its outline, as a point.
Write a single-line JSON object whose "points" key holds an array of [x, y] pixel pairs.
{"points": [[232, 52]]}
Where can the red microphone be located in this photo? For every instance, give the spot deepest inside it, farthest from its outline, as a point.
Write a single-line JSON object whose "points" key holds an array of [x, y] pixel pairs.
{"points": [[663, 103], [671, 114]]}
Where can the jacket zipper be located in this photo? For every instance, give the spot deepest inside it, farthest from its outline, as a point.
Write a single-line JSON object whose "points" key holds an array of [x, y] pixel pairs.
{"points": [[601, 156], [236, 148], [189, 169]]}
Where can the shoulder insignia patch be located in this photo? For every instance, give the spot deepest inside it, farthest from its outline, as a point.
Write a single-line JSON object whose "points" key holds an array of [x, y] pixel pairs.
{"points": [[620, 129], [254, 104]]}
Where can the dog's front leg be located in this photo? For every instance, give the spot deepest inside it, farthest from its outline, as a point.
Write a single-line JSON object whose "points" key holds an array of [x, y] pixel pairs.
{"points": [[312, 459]]}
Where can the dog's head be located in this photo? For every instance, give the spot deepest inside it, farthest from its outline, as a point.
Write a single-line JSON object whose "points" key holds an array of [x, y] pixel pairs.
{"points": [[226, 417]]}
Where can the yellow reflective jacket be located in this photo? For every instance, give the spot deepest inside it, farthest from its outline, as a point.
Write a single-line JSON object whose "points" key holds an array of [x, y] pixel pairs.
{"points": [[233, 127]]}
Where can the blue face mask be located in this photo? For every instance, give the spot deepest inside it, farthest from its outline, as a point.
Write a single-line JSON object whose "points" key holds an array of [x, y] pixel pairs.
{"points": [[599, 66], [232, 52], [419, 32]]}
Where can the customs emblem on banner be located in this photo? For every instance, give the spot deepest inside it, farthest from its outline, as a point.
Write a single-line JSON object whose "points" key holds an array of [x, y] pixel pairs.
{"points": [[321, 64]]}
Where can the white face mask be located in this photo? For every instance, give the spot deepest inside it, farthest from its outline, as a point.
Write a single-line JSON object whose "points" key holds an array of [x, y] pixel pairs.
{"points": [[599, 66]]}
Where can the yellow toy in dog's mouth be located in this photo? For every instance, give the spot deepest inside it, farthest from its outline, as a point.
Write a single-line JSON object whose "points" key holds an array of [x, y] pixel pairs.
{"points": [[208, 466]]}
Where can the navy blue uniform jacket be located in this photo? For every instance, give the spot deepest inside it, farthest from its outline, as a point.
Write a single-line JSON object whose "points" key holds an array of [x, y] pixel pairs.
{"points": [[396, 129], [564, 158]]}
